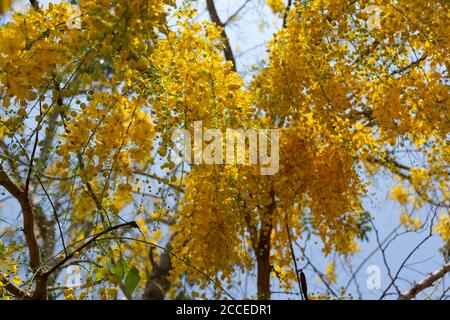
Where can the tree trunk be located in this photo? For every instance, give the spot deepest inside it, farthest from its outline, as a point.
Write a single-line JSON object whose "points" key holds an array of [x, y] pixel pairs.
{"points": [[263, 271], [263, 252], [158, 283]]}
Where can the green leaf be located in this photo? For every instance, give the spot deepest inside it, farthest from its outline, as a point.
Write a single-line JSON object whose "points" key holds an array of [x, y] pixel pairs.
{"points": [[132, 280], [99, 275], [76, 170], [118, 269]]}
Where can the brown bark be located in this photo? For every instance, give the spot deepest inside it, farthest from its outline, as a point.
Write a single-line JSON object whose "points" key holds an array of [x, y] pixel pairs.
{"points": [[28, 229], [158, 283], [425, 283], [228, 52], [263, 253], [34, 4], [263, 272]]}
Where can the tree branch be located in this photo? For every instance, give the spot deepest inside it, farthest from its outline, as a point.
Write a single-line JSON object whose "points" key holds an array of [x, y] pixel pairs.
{"points": [[229, 56], [157, 281], [28, 230], [12, 289], [234, 15], [411, 65], [286, 13], [294, 259], [425, 283], [35, 4], [131, 224]]}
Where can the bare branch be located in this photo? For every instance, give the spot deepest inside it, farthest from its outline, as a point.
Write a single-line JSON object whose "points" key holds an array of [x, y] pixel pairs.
{"points": [[229, 56], [131, 224], [157, 281], [411, 65], [430, 234], [294, 259], [35, 5], [234, 15], [12, 289], [319, 274], [28, 230], [425, 283]]}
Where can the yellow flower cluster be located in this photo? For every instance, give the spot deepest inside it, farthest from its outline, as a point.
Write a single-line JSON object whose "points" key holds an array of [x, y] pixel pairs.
{"points": [[410, 223], [330, 272], [110, 133], [443, 227], [194, 82], [399, 194], [27, 59], [277, 6]]}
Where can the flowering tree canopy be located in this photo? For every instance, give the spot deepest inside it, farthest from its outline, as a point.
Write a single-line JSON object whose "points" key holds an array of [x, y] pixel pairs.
{"points": [[92, 92]]}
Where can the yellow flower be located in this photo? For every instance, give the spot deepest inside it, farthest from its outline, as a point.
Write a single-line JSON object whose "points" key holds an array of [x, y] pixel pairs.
{"points": [[157, 234], [443, 227], [16, 280], [277, 6], [140, 221], [410, 223], [330, 272], [318, 297], [399, 194]]}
